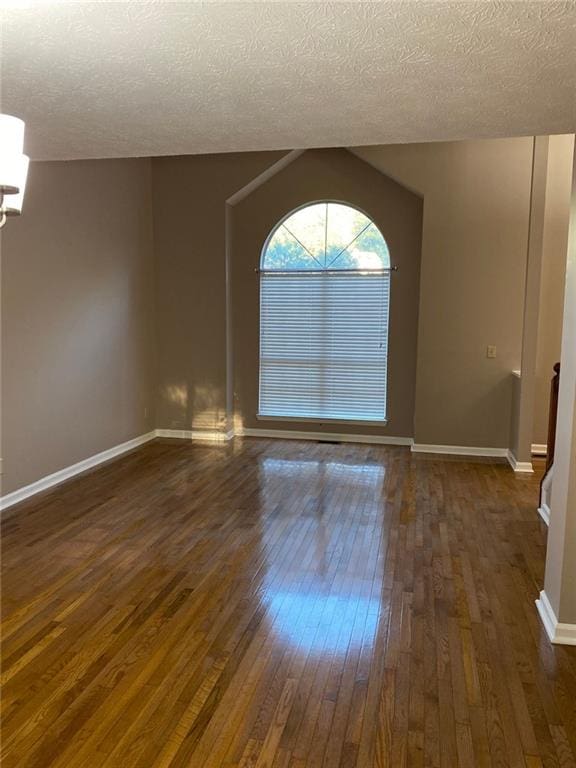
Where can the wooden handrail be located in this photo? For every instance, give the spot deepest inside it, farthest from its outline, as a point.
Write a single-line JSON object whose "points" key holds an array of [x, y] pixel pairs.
{"points": [[552, 420], [552, 416]]}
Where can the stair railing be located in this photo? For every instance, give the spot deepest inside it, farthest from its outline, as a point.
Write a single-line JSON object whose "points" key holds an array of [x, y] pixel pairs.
{"points": [[552, 420]]}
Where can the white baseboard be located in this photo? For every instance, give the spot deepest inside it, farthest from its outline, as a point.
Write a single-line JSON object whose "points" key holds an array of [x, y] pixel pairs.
{"points": [[561, 634], [544, 512], [93, 461], [221, 437], [539, 449], [293, 434], [212, 436], [459, 450], [75, 469], [524, 467]]}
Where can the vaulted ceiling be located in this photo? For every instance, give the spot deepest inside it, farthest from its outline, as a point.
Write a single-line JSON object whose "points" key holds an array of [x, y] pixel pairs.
{"points": [[120, 79]]}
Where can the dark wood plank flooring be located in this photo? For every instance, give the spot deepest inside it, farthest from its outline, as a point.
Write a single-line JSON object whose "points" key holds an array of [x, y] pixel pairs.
{"points": [[281, 604]]}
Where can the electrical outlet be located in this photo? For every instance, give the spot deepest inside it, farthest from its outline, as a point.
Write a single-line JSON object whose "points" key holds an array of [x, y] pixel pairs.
{"points": [[491, 351]]}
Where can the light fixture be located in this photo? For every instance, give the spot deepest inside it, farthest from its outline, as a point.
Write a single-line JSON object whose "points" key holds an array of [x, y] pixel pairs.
{"points": [[13, 167]]}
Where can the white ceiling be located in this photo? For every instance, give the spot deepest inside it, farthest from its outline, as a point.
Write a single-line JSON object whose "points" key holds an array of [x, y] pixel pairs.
{"points": [[117, 79]]}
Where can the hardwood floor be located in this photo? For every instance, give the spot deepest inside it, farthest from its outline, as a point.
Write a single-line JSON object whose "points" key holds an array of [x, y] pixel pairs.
{"points": [[281, 604]]}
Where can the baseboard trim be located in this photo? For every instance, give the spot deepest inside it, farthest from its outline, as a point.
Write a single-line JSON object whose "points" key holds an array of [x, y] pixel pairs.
{"points": [[544, 512], [75, 469], [539, 449], [459, 450], [293, 434], [221, 437], [212, 436], [559, 634], [522, 467]]}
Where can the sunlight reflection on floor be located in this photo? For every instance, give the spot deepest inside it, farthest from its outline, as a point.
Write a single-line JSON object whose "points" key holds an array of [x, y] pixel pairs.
{"points": [[327, 603]]}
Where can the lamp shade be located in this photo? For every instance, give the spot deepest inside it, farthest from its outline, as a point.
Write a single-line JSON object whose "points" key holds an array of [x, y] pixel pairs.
{"points": [[13, 166], [13, 173], [12, 203], [11, 135]]}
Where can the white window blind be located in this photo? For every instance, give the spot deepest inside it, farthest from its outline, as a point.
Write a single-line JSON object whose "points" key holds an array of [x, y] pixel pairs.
{"points": [[324, 344]]}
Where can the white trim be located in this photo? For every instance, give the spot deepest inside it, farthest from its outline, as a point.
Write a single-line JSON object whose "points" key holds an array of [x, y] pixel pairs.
{"points": [[265, 176], [560, 634], [544, 512], [539, 449], [312, 420], [181, 434], [293, 434], [212, 436], [459, 450], [75, 469], [93, 461], [523, 467], [517, 373]]}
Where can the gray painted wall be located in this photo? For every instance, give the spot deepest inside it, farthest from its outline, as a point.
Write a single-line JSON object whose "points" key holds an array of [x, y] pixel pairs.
{"points": [[555, 244], [190, 196], [78, 341], [474, 241]]}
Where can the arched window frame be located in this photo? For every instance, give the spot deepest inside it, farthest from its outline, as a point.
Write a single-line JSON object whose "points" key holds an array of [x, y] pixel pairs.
{"points": [[335, 290], [305, 206]]}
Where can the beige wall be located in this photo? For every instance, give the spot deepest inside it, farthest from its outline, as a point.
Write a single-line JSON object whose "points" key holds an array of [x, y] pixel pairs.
{"points": [[476, 204], [333, 175], [555, 243], [560, 577], [77, 316], [190, 196], [523, 405]]}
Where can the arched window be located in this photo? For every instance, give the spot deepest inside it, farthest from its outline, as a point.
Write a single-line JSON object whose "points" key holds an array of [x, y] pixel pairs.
{"points": [[324, 298]]}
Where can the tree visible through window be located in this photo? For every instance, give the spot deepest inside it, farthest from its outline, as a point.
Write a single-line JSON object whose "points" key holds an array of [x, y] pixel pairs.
{"points": [[324, 299]]}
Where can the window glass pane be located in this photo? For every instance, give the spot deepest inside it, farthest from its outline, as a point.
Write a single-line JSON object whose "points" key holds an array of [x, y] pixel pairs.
{"points": [[308, 226], [367, 251], [343, 227], [285, 252], [326, 236]]}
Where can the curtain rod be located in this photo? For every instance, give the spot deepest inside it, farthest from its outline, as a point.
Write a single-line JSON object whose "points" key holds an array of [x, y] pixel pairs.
{"points": [[365, 272]]}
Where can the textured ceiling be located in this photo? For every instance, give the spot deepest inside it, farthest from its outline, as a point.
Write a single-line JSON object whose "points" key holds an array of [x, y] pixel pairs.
{"points": [[116, 79]]}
